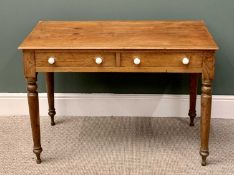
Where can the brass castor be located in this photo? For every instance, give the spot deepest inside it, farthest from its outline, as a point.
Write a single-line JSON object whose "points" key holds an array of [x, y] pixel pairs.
{"points": [[192, 115], [52, 114], [204, 154], [38, 151]]}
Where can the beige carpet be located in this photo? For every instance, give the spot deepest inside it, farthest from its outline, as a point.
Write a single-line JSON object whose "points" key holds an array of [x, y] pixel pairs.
{"points": [[115, 146]]}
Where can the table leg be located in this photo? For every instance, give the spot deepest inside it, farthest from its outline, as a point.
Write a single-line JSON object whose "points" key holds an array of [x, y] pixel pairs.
{"points": [[206, 100], [34, 116], [193, 79], [50, 95]]}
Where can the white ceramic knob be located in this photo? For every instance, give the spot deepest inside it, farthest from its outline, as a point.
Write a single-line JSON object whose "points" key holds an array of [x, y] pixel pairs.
{"points": [[185, 61], [98, 60], [137, 61], [51, 60]]}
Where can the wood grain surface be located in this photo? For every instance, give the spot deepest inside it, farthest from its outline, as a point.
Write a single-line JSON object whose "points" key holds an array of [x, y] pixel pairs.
{"points": [[120, 35]]}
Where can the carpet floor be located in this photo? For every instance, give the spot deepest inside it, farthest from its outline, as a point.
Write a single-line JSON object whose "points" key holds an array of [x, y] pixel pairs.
{"points": [[115, 146]]}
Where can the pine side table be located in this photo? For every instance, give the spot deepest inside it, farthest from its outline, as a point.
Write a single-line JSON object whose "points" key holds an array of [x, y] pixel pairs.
{"points": [[120, 46]]}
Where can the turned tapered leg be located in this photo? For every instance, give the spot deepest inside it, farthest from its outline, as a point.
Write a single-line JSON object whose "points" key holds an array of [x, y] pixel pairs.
{"points": [[206, 99], [34, 116], [50, 95], [193, 79]]}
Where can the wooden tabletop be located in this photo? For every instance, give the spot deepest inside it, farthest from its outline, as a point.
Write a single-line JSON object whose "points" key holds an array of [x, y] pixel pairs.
{"points": [[185, 35]]}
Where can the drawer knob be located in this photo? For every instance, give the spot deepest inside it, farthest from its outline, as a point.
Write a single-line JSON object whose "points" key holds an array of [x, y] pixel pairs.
{"points": [[137, 61], [185, 61], [98, 60], [51, 60]]}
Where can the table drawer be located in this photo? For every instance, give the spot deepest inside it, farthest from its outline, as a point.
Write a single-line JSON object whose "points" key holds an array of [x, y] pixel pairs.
{"points": [[148, 59], [76, 59]]}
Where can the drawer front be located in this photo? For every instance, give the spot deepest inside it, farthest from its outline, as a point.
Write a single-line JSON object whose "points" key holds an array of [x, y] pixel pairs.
{"points": [[161, 60], [76, 59]]}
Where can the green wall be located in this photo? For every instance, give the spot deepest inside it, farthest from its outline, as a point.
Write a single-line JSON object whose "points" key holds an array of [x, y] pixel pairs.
{"points": [[17, 18]]}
